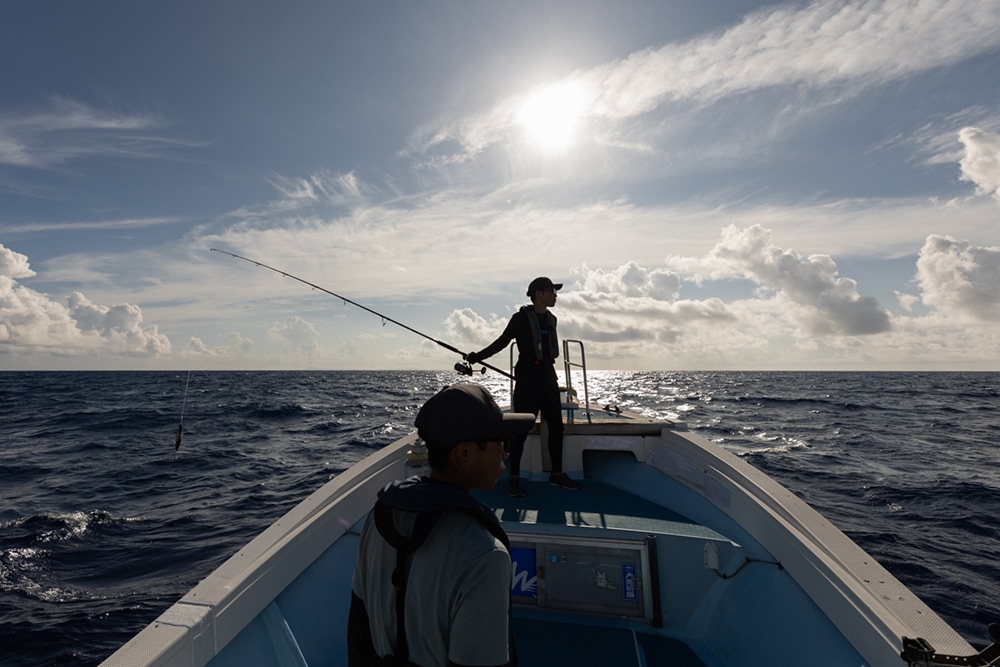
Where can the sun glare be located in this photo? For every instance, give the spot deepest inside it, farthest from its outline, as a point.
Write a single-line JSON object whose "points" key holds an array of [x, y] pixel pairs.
{"points": [[552, 115]]}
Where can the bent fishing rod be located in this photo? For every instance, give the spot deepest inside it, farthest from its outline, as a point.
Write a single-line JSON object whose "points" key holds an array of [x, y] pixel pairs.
{"points": [[464, 369]]}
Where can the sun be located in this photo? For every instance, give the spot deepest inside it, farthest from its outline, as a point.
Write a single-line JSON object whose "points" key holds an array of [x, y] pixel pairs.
{"points": [[552, 115]]}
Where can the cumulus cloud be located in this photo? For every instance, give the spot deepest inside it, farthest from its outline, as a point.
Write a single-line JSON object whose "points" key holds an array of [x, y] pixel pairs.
{"points": [[636, 306], [981, 161], [905, 301], [606, 317], [632, 281], [300, 334], [120, 326], [33, 322], [631, 306], [638, 313], [959, 279], [469, 327], [826, 304], [198, 348], [13, 265]]}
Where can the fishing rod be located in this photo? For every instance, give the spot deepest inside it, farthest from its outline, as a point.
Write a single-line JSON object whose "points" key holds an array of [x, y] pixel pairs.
{"points": [[464, 369]]}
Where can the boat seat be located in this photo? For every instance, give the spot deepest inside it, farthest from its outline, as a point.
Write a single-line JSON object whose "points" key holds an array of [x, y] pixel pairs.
{"points": [[545, 642]]}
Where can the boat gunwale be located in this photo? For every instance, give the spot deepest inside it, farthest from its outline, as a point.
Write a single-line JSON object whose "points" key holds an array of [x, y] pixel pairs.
{"points": [[208, 617], [818, 556], [834, 570]]}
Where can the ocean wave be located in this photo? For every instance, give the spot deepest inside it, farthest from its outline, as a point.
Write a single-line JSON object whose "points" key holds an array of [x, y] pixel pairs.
{"points": [[773, 443], [48, 527], [277, 412], [902, 462], [32, 547]]}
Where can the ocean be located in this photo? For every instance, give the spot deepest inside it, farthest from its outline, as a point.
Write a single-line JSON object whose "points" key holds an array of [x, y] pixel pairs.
{"points": [[103, 525]]}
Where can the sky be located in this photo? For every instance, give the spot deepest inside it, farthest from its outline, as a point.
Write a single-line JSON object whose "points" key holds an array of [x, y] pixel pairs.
{"points": [[720, 185]]}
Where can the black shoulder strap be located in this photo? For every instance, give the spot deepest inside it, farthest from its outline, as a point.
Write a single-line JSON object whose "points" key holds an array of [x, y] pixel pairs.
{"points": [[404, 546]]}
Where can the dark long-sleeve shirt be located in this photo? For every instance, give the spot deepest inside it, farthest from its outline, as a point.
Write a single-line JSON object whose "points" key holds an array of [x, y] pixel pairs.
{"points": [[531, 351]]}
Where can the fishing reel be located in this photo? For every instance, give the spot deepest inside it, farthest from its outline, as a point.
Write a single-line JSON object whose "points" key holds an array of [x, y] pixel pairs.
{"points": [[466, 368]]}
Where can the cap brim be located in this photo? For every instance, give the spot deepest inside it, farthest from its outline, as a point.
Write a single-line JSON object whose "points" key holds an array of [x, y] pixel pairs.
{"points": [[513, 423], [557, 286]]}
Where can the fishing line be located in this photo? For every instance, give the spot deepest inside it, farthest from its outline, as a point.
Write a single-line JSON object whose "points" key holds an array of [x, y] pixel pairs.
{"points": [[465, 371], [180, 427]]}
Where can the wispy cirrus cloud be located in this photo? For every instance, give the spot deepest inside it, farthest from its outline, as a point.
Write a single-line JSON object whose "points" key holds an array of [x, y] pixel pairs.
{"points": [[831, 46], [68, 129], [95, 225]]}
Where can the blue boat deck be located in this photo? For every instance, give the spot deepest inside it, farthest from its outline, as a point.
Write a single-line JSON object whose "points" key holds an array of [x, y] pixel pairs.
{"points": [[595, 504], [556, 636]]}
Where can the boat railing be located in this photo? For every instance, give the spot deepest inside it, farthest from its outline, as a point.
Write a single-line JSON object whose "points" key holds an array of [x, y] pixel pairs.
{"points": [[571, 404], [568, 365]]}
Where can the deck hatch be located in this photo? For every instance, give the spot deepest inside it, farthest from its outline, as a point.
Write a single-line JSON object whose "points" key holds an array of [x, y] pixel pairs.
{"points": [[604, 576]]}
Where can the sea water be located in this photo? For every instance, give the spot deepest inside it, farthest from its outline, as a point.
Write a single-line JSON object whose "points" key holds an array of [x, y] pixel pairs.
{"points": [[104, 524]]}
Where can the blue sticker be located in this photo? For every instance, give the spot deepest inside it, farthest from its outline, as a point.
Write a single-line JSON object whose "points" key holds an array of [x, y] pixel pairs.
{"points": [[630, 591], [524, 579]]}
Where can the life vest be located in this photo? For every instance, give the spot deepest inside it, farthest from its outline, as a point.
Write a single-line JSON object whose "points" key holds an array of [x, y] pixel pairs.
{"points": [[429, 500], [536, 333]]}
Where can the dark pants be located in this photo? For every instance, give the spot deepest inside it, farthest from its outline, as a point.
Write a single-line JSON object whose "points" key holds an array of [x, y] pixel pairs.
{"points": [[537, 390]]}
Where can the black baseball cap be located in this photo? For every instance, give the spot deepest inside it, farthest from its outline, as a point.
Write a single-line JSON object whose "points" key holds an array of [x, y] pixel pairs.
{"points": [[462, 412], [542, 283]]}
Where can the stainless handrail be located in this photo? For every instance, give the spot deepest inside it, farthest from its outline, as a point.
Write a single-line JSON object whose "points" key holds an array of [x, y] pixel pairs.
{"points": [[568, 366]]}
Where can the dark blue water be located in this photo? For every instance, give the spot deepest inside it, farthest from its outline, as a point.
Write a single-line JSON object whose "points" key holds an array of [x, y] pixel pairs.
{"points": [[103, 525]]}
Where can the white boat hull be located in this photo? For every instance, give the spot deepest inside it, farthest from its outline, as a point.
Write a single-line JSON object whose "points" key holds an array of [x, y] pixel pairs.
{"points": [[717, 564]]}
